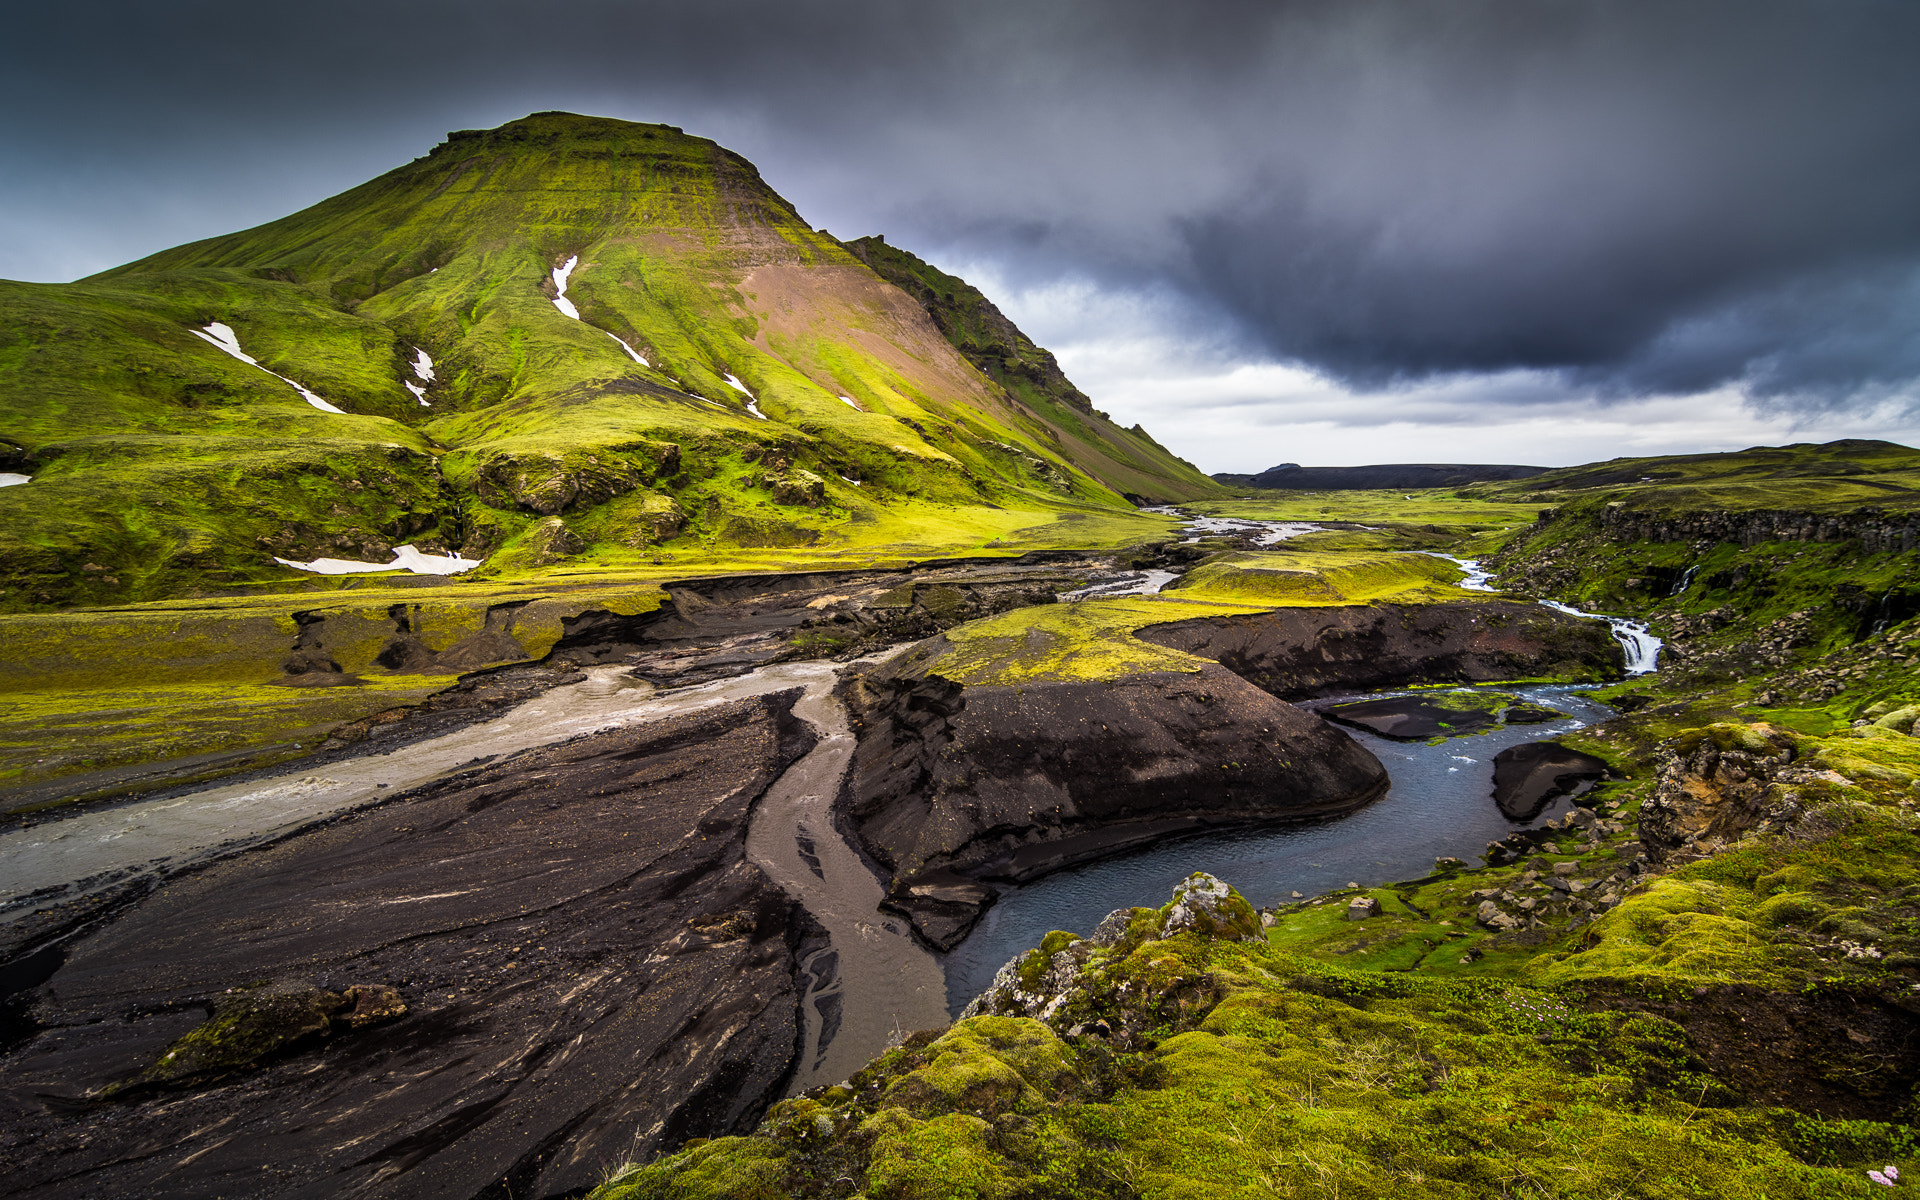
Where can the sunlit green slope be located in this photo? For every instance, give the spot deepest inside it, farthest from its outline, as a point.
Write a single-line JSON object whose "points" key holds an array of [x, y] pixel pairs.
{"points": [[1125, 458], [733, 380]]}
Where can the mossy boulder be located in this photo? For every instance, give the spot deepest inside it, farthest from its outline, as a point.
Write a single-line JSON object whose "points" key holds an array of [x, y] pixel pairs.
{"points": [[252, 1025], [1900, 719]]}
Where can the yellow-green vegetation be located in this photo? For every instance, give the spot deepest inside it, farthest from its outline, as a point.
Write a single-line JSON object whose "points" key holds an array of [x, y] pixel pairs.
{"points": [[89, 690], [1182, 1063], [1428, 506], [1318, 578], [1828, 477], [49, 735], [1089, 640], [772, 393]]}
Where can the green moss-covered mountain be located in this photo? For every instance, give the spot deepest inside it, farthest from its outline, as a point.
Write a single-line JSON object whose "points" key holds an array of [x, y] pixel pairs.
{"points": [[734, 379]]}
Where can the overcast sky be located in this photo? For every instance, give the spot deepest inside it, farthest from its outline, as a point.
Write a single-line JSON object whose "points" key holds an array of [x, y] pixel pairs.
{"points": [[1541, 231]]}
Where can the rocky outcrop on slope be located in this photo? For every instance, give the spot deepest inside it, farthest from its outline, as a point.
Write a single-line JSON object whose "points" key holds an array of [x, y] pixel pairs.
{"points": [[1716, 783], [1299, 653], [1876, 528], [579, 966], [953, 788]]}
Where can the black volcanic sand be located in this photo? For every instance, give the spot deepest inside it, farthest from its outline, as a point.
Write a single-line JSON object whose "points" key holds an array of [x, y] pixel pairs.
{"points": [[1527, 777], [954, 788], [592, 971]]}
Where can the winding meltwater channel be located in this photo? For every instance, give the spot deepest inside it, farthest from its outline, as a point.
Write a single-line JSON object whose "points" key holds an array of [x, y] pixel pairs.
{"points": [[873, 983]]}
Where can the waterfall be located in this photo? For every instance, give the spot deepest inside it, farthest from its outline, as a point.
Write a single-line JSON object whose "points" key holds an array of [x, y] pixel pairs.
{"points": [[1686, 580], [1642, 648]]}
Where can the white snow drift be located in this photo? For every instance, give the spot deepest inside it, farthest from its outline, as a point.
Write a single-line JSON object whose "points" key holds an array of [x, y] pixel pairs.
{"points": [[405, 558], [223, 336]]}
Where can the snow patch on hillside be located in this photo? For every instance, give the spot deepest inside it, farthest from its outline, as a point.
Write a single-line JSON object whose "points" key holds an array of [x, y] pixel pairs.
{"points": [[560, 274], [223, 336], [631, 352], [405, 558], [753, 405], [423, 366], [848, 401], [9, 479], [419, 393]]}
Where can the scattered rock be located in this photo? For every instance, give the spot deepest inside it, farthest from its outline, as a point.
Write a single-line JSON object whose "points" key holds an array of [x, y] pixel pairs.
{"points": [[552, 541], [1362, 907], [1714, 784]]}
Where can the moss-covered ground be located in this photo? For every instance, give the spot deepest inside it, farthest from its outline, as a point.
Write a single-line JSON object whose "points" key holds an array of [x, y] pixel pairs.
{"points": [[1093, 639], [1198, 1064]]}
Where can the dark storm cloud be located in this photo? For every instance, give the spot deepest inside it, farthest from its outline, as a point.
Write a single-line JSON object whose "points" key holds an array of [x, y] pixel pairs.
{"points": [[1645, 197]]}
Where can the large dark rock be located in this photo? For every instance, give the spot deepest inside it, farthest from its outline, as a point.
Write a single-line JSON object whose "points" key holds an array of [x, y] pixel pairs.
{"points": [[583, 968], [1528, 776], [952, 788], [1298, 653]]}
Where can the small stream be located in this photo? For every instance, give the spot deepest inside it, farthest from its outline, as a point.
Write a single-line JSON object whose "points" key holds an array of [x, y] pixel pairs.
{"points": [[874, 983]]}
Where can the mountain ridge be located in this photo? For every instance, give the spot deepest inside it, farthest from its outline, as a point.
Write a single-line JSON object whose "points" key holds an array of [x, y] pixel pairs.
{"points": [[635, 350]]}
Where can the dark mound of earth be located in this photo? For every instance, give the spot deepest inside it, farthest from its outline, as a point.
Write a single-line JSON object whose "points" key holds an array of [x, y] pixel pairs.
{"points": [[1527, 777], [1300, 653], [1448, 714], [1411, 718], [952, 788], [574, 962]]}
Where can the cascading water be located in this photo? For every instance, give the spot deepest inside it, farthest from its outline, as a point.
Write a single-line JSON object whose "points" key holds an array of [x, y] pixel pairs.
{"points": [[1642, 648], [1686, 580], [1478, 577]]}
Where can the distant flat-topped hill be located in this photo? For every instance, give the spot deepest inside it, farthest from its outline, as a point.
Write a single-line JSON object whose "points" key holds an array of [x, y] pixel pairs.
{"points": [[1294, 477]]}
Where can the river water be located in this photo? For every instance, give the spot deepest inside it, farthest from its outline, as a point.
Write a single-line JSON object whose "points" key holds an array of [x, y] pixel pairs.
{"points": [[874, 984], [1440, 802]]}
